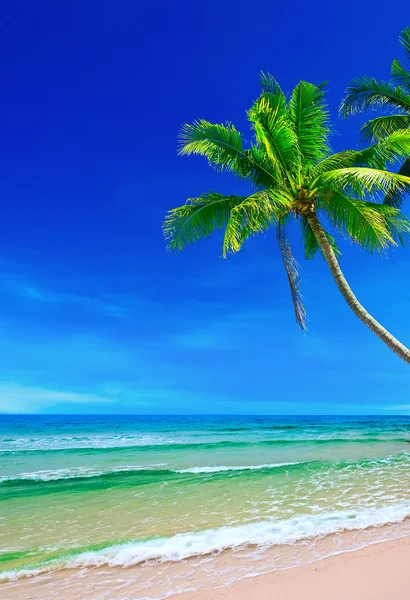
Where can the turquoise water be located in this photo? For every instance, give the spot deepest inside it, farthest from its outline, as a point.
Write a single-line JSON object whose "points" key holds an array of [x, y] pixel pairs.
{"points": [[91, 492]]}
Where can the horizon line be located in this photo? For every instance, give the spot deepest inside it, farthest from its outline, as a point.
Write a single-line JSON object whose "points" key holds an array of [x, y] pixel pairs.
{"points": [[4, 414]]}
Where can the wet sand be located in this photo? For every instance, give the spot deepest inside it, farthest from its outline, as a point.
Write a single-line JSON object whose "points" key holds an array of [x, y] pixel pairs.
{"points": [[378, 572]]}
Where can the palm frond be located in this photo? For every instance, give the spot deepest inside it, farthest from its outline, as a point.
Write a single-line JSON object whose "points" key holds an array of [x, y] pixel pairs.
{"points": [[397, 224], [360, 181], [222, 145], [405, 41], [292, 271], [275, 133], [380, 127], [257, 167], [399, 75], [372, 226], [310, 241], [269, 85], [339, 160], [255, 214], [395, 197], [388, 150], [198, 218], [310, 118], [368, 93], [370, 157], [205, 138]]}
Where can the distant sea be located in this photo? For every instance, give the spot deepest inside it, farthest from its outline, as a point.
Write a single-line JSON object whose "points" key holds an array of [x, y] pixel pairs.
{"points": [[152, 506]]}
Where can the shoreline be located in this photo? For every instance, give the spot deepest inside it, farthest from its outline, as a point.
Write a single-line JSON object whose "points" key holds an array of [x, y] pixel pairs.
{"points": [[376, 572]]}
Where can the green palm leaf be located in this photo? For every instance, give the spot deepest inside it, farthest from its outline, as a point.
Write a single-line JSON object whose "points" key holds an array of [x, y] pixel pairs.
{"points": [[255, 214], [380, 127], [206, 138], [275, 133], [374, 157], [399, 75], [311, 122], [269, 85], [405, 41], [397, 224], [395, 197], [372, 226], [387, 150], [368, 93], [361, 181], [222, 145], [340, 160], [198, 218]]}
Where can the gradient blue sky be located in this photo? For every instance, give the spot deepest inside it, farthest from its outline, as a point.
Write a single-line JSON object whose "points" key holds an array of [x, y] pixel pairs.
{"points": [[95, 315]]}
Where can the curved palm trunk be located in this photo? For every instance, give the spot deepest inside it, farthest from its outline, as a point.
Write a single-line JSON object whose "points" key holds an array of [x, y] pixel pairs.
{"points": [[349, 296]]}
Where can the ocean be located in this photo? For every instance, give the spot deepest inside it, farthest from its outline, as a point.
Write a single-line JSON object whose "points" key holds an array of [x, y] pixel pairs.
{"points": [[146, 507]]}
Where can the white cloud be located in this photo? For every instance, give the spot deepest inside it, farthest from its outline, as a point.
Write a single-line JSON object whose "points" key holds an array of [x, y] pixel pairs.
{"points": [[16, 398]]}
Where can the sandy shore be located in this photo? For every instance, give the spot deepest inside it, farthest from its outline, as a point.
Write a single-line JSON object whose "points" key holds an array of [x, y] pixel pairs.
{"points": [[378, 572]]}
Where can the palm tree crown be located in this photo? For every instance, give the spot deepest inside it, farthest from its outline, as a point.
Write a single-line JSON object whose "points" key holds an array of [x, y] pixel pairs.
{"points": [[392, 98], [293, 172]]}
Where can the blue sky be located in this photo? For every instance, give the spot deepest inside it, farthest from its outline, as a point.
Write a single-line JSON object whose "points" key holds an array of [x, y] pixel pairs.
{"points": [[95, 315]]}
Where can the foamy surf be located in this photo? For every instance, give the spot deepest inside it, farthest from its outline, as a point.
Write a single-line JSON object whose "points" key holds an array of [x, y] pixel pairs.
{"points": [[199, 470], [183, 546], [76, 473], [47, 444]]}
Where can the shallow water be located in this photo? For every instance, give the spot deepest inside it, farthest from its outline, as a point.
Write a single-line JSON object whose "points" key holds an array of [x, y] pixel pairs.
{"points": [[182, 501]]}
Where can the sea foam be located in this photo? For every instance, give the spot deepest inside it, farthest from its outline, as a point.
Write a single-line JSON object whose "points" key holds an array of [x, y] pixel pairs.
{"points": [[75, 473], [185, 545], [199, 470]]}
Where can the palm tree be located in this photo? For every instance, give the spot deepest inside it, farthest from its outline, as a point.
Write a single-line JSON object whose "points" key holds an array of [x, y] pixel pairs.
{"points": [[393, 98], [293, 172]]}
